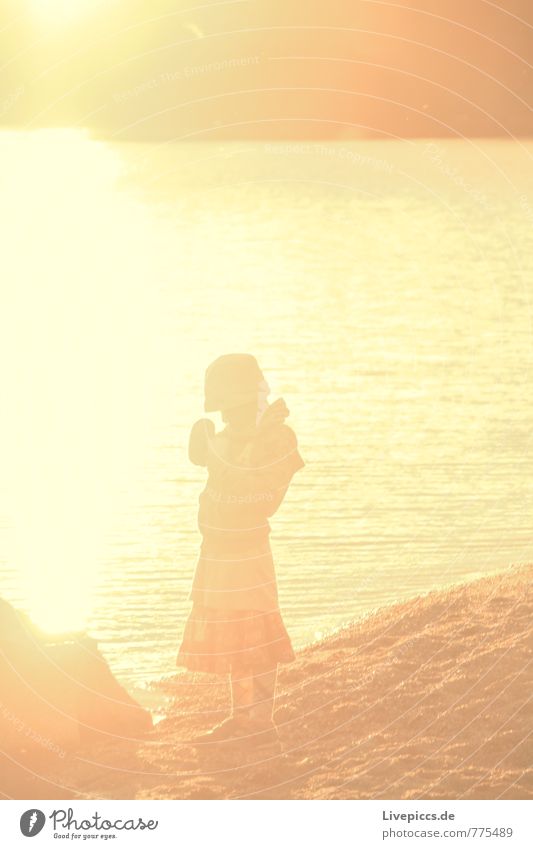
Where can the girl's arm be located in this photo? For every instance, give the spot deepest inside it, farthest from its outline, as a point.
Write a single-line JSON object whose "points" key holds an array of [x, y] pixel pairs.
{"points": [[265, 480], [202, 432]]}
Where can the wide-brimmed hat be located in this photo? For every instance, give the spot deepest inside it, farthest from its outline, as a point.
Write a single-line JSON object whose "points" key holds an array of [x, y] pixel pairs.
{"points": [[231, 380]]}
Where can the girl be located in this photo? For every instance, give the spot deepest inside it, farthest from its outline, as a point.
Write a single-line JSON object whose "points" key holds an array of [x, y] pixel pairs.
{"points": [[235, 624]]}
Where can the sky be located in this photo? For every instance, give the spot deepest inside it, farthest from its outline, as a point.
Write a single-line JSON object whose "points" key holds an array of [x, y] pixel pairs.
{"points": [[163, 69]]}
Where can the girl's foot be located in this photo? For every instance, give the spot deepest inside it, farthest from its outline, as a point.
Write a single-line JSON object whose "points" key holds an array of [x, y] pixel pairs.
{"points": [[261, 733], [229, 729], [242, 730]]}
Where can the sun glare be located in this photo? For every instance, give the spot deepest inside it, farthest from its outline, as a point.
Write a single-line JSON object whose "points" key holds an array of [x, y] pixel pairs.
{"points": [[77, 365], [60, 10]]}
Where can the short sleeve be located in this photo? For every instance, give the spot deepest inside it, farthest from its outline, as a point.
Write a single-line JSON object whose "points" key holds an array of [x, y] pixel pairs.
{"points": [[273, 462], [285, 454]]}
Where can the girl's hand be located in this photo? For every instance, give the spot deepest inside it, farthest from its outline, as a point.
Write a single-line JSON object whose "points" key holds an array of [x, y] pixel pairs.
{"points": [[202, 432], [274, 415]]}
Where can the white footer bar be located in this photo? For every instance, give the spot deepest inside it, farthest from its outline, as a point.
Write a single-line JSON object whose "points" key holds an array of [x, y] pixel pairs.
{"points": [[268, 824]]}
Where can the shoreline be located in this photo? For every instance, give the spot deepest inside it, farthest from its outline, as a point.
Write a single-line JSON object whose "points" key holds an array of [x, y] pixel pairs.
{"points": [[420, 699]]}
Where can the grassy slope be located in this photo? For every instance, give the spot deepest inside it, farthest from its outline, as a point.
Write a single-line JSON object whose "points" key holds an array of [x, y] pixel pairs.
{"points": [[424, 699]]}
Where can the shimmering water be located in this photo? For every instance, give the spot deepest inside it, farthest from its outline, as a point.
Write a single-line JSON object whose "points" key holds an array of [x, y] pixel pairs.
{"points": [[385, 288]]}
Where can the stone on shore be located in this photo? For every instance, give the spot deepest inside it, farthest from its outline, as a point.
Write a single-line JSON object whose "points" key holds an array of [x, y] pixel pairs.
{"points": [[58, 695]]}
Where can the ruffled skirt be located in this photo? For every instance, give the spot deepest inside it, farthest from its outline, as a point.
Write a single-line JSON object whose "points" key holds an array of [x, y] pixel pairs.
{"points": [[242, 641]]}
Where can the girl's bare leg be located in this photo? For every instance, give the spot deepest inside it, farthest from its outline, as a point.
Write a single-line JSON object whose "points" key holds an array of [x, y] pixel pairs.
{"points": [[242, 695], [264, 691], [250, 722]]}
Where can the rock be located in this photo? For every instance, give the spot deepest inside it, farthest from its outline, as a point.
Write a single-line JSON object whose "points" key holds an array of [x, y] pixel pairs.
{"points": [[103, 705], [57, 695]]}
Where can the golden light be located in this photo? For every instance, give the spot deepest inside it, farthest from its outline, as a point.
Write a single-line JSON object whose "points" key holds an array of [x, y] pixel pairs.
{"points": [[77, 364], [61, 10]]}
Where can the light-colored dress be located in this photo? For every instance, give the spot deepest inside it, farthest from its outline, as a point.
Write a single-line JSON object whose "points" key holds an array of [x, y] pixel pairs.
{"points": [[235, 620]]}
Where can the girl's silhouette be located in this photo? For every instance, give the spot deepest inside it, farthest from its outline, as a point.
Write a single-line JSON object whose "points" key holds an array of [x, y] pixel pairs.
{"points": [[235, 625]]}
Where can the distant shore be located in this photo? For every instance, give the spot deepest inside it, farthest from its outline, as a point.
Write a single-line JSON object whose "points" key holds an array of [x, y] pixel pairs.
{"points": [[424, 699]]}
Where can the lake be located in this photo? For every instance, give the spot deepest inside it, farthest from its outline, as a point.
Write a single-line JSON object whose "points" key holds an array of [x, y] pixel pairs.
{"points": [[385, 288]]}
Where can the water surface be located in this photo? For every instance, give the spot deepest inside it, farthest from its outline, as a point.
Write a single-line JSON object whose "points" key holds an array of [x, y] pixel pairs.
{"points": [[385, 288]]}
